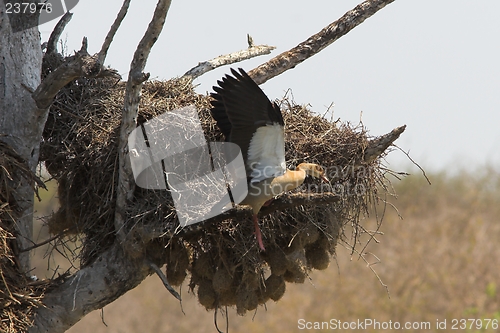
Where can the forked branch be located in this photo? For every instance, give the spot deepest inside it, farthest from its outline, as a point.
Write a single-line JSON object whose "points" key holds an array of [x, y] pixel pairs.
{"points": [[82, 64], [136, 78]]}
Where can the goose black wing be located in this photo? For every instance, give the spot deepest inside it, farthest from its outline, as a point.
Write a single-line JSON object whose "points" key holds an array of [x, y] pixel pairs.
{"points": [[240, 109]]}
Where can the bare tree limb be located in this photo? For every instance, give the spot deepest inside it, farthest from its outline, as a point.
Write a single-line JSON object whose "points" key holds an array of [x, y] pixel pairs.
{"points": [[50, 239], [89, 289], [418, 165], [56, 33], [378, 145], [317, 42], [21, 127], [251, 52], [80, 65], [125, 189], [101, 56]]}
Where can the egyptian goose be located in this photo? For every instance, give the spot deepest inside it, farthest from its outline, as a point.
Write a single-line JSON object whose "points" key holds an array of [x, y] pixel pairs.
{"points": [[247, 118]]}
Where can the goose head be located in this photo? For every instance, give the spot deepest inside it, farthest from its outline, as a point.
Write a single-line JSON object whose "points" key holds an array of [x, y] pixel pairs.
{"points": [[313, 170]]}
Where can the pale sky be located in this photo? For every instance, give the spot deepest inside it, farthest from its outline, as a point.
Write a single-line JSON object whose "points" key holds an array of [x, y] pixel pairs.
{"points": [[433, 65]]}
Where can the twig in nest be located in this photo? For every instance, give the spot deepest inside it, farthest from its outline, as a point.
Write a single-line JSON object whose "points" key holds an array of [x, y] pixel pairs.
{"points": [[102, 317], [215, 320], [35, 245], [250, 40], [369, 265], [163, 279], [418, 166]]}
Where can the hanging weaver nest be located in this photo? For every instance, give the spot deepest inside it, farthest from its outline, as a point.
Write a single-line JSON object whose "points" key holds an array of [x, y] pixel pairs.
{"points": [[221, 258]]}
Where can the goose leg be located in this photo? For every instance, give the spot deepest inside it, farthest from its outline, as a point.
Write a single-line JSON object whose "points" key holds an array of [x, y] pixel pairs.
{"points": [[258, 235]]}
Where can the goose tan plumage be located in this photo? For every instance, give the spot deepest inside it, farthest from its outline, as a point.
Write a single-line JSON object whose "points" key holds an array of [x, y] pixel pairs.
{"points": [[247, 118]]}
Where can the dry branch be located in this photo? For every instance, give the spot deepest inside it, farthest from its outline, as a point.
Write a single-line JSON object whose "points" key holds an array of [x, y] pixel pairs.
{"points": [[112, 31], [56, 33], [125, 189], [379, 145], [91, 288], [317, 42], [251, 52]]}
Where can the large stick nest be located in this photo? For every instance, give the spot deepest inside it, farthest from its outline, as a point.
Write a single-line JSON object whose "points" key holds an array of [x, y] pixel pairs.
{"points": [[79, 149]]}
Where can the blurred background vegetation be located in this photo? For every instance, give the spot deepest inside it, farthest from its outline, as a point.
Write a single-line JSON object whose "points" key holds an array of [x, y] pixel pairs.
{"points": [[439, 257]]}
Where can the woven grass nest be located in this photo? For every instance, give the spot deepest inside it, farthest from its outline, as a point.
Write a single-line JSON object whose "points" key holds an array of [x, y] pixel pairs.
{"points": [[221, 259]]}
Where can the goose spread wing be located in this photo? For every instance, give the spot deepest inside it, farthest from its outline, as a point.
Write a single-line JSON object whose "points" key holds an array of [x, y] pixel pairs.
{"points": [[247, 118]]}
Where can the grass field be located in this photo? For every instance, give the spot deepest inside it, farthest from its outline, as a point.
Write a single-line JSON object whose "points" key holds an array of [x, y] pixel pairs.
{"points": [[441, 262]]}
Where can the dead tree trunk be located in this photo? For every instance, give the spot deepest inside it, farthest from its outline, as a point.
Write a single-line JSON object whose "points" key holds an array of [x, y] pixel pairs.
{"points": [[21, 122]]}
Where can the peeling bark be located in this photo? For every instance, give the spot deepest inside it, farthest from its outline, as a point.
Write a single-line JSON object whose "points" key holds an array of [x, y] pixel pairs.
{"points": [[126, 182], [21, 121], [378, 145], [227, 59]]}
